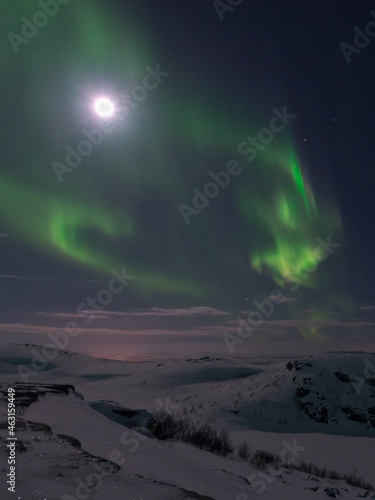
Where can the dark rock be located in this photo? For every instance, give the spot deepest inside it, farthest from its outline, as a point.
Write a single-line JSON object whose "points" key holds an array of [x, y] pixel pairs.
{"points": [[71, 440], [343, 377], [354, 414], [301, 391], [332, 492]]}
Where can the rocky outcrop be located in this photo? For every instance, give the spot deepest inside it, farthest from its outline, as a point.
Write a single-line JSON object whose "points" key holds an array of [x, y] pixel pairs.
{"points": [[330, 394]]}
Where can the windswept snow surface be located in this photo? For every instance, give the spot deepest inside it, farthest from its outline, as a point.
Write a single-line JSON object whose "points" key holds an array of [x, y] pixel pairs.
{"points": [[89, 436]]}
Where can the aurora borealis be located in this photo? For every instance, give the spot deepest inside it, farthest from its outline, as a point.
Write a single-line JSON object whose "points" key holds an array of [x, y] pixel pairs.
{"points": [[193, 93]]}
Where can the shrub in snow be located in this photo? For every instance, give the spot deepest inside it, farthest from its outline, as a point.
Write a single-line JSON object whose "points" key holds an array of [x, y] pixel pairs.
{"points": [[262, 459], [243, 451], [355, 480], [204, 437]]}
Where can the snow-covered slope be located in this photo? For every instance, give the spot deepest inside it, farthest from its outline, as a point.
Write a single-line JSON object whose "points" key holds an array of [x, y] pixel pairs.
{"points": [[82, 441]]}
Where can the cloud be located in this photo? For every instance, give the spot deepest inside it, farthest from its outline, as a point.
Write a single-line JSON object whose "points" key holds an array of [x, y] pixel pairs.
{"points": [[154, 311], [189, 311], [67, 316], [285, 299], [232, 328], [23, 328], [297, 323], [13, 277]]}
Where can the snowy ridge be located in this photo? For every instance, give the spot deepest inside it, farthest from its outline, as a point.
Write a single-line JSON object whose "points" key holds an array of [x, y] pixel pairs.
{"points": [[79, 438]]}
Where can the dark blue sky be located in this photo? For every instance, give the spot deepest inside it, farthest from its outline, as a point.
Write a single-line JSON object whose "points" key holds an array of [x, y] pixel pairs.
{"points": [[121, 206]]}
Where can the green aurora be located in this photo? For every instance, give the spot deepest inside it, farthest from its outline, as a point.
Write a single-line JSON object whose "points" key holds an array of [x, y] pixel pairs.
{"points": [[120, 206]]}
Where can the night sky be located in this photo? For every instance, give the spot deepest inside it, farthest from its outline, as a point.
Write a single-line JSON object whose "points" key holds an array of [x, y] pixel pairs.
{"points": [[238, 161]]}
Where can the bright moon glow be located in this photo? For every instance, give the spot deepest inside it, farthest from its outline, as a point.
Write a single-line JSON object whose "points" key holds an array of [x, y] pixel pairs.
{"points": [[104, 107]]}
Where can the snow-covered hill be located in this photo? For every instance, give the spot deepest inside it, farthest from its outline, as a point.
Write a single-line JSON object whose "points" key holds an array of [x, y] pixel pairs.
{"points": [[78, 436]]}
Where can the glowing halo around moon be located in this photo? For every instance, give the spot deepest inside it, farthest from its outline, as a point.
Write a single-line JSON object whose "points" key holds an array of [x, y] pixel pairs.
{"points": [[104, 107]]}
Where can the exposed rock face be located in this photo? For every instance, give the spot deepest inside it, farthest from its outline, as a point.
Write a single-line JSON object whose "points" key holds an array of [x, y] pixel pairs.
{"points": [[354, 414], [318, 413], [26, 394], [141, 420], [302, 392], [61, 458], [333, 396], [371, 413], [343, 377]]}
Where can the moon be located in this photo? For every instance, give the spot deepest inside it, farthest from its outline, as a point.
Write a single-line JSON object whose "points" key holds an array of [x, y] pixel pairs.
{"points": [[104, 106]]}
